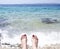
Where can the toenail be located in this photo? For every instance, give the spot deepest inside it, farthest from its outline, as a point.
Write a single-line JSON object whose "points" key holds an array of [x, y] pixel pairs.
{"points": [[24, 34], [33, 35]]}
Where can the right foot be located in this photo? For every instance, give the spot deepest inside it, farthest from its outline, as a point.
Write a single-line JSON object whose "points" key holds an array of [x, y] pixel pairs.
{"points": [[34, 42], [24, 41]]}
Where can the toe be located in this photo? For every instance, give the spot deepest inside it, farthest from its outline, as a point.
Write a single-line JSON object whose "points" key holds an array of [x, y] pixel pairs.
{"points": [[34, 37], [23, 36]]}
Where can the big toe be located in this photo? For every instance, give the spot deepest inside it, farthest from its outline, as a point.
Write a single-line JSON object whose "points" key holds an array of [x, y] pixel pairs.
{"points": [[24, 36], [34, 37]]}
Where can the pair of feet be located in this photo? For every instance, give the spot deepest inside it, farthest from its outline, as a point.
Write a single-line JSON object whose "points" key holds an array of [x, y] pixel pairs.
{"points": [[24, 41]]}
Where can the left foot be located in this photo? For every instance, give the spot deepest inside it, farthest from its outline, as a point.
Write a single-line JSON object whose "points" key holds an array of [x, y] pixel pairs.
{"points": [[24, 41]]}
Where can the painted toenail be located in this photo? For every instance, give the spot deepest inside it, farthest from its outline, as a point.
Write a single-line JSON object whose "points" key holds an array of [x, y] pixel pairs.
{"points": [[33, 35], [24, 34]]}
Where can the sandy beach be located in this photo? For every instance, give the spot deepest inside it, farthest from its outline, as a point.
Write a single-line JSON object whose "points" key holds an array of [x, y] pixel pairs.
{"points": [[52, 46], [9, 48]]}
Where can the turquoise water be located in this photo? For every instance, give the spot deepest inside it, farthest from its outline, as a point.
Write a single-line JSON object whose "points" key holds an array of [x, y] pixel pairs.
{"points": [[26, 18]]}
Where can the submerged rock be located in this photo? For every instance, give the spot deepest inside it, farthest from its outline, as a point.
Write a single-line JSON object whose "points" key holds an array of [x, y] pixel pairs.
{"points": [[3, 22], [49, 20]]}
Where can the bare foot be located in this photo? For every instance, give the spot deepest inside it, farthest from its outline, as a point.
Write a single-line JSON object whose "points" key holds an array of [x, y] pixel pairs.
{"points": [[34, 42], [24, 41]]}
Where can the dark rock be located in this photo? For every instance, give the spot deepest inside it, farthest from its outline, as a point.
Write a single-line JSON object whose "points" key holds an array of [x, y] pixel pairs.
{"points": [[3, 22], [49, 20]]}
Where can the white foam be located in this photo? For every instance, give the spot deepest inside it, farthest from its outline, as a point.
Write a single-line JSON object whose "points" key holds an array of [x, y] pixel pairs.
{"points": [[50, 38]]}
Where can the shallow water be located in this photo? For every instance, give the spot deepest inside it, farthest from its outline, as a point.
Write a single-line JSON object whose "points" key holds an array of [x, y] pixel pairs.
{"points": [[28, 18]]}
